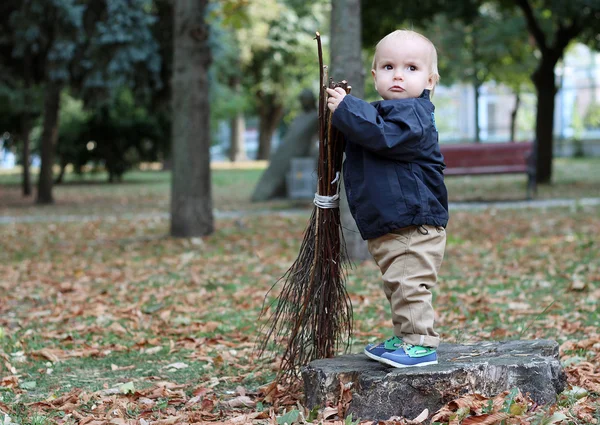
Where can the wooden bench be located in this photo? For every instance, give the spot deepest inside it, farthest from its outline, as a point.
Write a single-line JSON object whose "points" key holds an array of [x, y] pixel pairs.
{"points": [[491, 158]]}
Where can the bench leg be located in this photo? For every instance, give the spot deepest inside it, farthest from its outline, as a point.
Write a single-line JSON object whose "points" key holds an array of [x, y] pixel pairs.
{"points": [[531, 187], [532, 173]]}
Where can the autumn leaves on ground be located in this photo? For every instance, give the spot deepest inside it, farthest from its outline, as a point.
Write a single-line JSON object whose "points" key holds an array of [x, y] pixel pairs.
{"points": [[105, 319]]}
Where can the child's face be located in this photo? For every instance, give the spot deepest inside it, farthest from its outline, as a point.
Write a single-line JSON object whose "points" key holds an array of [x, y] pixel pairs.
{"points": [[403, 68]]}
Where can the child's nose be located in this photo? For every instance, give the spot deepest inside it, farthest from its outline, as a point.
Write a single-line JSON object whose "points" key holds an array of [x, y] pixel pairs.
{"points": [[398, 75]]}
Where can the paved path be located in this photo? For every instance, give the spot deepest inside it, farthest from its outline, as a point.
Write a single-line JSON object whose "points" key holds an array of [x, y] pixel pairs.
{"points": [[456, 206]]}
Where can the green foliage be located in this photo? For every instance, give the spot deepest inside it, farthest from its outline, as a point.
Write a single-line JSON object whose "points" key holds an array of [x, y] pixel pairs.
{"points": [[18, 103], [555, 16], [119, 49], [592, 116], [381, 18], [577, 122], [350, 421], [118, 135], [50, 29], [487, 48], [94, 47], [72, 139], [289, 418], [273, 56]]}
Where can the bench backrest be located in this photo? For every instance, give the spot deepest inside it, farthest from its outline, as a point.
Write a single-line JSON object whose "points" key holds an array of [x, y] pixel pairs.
{"points": [[486, 154]]}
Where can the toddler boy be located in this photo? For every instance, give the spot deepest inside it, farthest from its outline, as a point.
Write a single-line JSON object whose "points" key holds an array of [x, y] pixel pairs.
{"points": [[394, 181]]}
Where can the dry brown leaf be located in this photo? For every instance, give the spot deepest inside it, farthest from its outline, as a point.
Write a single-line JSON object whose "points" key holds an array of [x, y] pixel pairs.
{"points": [[577, 285], [240, 401], [329, 412], [11, 381], [207, 405], [169, 421], [48, 354], [114, 367], [243, 419], [486, 419], [473, 402]]}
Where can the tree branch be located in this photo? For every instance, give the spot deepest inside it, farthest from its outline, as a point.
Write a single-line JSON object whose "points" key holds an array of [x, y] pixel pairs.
{"points": [[565, 34], [533, 25]]}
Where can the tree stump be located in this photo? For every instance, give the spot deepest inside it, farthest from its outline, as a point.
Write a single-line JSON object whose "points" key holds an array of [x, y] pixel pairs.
{"points": [[488, 368]]}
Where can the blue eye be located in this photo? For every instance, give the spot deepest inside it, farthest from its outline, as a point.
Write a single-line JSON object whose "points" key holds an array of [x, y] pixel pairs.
{"points": [[412, 68], [388, 67]]}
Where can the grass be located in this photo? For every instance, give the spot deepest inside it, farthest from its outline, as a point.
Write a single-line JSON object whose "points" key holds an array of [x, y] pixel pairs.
{"points": [[147, 192], [93, 305]]}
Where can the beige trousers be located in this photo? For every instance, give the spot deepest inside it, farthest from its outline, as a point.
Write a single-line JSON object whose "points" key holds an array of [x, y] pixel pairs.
{"points": [[410, 259]]}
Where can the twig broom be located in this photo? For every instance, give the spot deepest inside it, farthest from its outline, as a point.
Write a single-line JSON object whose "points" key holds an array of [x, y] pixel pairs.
{"points": [[312, 316]]}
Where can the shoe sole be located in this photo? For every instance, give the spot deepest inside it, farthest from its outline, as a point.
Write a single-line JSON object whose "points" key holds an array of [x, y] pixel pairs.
{"points": [[401, 366]]}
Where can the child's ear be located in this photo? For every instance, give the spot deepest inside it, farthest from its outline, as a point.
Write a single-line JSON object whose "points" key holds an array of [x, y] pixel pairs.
{"points": [[430, 82], [374, 78]]}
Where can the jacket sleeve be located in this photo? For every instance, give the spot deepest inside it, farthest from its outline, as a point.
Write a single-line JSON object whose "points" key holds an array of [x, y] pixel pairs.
{"points": [[397, 137]]}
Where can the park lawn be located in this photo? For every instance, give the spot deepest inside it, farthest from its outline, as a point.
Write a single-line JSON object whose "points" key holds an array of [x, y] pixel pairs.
{"points": [[147, 192], [118, 316], [109, 318]]}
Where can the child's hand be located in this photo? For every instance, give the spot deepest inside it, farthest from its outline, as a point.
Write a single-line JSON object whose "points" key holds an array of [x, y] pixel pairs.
{"points": [[335, 97]]}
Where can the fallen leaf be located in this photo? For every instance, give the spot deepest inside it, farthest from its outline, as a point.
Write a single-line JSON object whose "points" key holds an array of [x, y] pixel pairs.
{"points": [[240, 401], [127, 388], [487, 419], [176, 366], [207, 404], [421, 418], [48, 354], [28, 385], [9, 381], [114, 367], [151, 350], [328, 412], [555, 418], [244, 419], [577, 285]]}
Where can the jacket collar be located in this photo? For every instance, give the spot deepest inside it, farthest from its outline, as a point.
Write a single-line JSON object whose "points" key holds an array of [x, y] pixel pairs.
{"points": [[425, 94]]}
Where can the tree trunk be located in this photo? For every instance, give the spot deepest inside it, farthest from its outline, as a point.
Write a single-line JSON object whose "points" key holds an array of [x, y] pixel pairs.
{"points": [[61, 174], [347, 64], [237, 142], [191, 199], [270, 114], [26, 125], [25, 159], [237, 125], [544, 80], [513, 117], [545, 84], [477, 87], [49, 140]]}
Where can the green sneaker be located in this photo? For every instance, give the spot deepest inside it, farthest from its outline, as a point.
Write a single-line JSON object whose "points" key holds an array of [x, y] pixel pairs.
{"points": [[374, 351], [410, 355]]}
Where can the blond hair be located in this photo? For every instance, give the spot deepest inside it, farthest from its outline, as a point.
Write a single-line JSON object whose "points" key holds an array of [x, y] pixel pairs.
{"points": [[404, 34]]}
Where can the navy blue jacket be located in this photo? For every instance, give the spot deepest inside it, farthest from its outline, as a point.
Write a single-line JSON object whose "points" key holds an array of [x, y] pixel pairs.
{"points": [[393, 172]]}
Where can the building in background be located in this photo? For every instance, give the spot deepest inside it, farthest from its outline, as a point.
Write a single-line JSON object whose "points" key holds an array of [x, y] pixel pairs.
{"points": [[577, 108]]}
